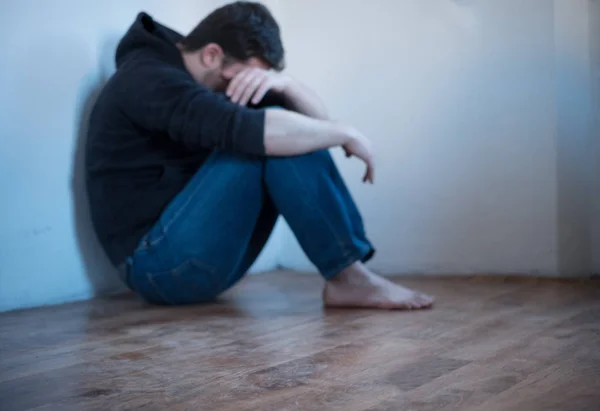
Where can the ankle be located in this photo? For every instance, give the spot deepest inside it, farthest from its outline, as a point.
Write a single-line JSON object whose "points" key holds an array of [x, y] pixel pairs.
{"points": [[355, 274]]}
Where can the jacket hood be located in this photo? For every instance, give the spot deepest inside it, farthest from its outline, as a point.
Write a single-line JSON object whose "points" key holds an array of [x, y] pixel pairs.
{"points": [[147, 35]]}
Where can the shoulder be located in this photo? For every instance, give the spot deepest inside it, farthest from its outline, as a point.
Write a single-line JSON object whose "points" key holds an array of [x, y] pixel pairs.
{"points": [[147, 68], [144, 80]]}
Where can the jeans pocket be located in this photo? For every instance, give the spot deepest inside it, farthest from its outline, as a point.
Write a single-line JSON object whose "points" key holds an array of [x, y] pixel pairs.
{"points": [[189, 283]]}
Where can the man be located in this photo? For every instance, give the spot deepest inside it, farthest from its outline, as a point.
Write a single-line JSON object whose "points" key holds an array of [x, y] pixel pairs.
{"points": [[189, 166]]}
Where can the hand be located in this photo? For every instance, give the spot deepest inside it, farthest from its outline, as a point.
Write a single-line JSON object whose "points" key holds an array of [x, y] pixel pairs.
{"points": [[252, 84], [361, 147]]}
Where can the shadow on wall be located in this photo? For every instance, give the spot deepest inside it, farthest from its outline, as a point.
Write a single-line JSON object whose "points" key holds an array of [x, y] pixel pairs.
{"points": [[575, 169], [101, 274]]}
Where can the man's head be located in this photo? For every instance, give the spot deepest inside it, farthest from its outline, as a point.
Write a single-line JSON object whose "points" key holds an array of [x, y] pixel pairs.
{"points": [[231, 38]]}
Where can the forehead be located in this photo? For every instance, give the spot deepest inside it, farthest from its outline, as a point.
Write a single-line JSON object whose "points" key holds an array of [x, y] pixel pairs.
{"points": [[256, 62], [252, 62]]}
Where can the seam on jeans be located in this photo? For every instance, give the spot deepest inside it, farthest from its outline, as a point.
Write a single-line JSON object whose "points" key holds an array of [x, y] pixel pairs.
{"points": [[144, 243], [150, 279], [340, 243], [180, 210]]}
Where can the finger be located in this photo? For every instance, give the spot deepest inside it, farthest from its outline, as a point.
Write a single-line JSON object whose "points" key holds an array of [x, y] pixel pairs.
{"points": [[261, 92], [370, 174], [253, 85], [372, 171], [367, 177], [241, 86], [235, 81]]}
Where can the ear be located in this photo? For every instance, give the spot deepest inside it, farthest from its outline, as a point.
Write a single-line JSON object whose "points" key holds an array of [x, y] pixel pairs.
{"points": [[212, 56]]}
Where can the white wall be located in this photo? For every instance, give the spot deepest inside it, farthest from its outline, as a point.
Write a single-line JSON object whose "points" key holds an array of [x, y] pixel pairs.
{"points": [[574, 122], [56, 56], [594, 14], [480, 111]]}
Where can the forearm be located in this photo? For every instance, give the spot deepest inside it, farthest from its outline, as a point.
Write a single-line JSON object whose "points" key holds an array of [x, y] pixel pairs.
{"points": [[303, 100], [288, 133]]}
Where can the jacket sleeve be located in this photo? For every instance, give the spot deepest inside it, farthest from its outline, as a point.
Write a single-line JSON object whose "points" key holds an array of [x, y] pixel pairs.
{"points": [[165, 100]]}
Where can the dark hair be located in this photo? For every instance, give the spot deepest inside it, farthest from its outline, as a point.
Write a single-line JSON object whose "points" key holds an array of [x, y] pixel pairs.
{"points": [[243, 30]]}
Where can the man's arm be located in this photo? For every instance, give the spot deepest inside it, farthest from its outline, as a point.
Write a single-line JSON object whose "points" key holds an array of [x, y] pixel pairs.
{"points": [[252, 84], [288, 133], [165, 101], [302, 99]]}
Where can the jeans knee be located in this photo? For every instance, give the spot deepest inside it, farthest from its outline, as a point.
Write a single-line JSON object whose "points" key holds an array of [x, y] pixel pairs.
{"points": [[323, 156], [232, 165], [312, 161], [298, 168], [231, 158]]}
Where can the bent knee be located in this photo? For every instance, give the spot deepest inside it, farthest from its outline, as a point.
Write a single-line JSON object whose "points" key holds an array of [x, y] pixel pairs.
{"points": [[224, 158]]}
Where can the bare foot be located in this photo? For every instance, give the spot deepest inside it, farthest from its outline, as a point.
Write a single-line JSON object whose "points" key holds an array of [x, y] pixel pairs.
{"points": [[357, 287]]}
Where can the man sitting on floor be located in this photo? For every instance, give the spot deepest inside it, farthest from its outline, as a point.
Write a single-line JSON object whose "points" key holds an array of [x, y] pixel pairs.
{"points": [[189, 164]]}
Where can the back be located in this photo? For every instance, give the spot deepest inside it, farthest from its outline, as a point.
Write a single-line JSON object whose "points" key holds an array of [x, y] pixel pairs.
{"points": [[133, 171]]}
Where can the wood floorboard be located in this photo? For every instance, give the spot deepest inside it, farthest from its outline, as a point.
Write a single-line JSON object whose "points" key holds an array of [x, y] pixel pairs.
{"points": [[491, 343]]}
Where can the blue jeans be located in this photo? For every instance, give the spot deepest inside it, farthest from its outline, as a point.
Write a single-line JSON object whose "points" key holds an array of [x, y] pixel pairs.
{"points": [[212, 232]]}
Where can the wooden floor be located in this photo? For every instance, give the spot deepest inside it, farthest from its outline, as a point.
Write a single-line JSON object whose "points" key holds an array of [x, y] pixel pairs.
{"points": [[489, 344]]}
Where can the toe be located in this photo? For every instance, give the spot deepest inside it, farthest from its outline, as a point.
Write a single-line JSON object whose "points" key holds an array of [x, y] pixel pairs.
{"points": [[425, 301], [413, 303]]}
